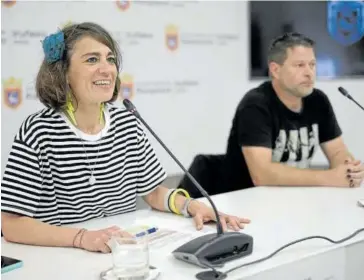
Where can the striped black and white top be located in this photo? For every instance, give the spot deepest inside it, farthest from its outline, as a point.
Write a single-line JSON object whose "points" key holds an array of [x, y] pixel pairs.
{"points": [[50, 164]]}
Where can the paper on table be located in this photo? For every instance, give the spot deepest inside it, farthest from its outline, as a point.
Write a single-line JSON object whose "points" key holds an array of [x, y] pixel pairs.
{"points": [[170, 233]]}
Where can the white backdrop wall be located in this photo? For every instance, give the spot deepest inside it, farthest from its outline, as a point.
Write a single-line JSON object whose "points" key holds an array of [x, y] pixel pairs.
{"points": [[188, 95]]}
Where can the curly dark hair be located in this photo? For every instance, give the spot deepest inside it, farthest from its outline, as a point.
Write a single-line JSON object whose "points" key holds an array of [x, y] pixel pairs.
{"points": [[51, 82]]}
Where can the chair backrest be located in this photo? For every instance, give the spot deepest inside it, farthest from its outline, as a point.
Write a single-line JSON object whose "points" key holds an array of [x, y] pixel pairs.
{"points": [[207, 170]]}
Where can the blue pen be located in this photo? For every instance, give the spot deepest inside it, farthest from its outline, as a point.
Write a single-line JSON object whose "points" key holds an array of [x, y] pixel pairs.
{"points": [[148, 231]]}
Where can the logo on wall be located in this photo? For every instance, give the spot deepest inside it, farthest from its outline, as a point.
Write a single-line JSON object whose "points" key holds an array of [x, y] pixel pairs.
{"points": [[123, 5], [126, 86], [8, 3], [12, 92], [171, 37], [345, 21]]}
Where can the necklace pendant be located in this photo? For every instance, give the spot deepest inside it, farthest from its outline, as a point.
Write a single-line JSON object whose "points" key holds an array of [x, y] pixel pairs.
{"points": [[92, 180]]}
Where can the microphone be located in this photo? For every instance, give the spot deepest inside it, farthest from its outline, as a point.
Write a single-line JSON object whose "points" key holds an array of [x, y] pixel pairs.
{"points": [[209, 250], [346, 94], [131, 108]]}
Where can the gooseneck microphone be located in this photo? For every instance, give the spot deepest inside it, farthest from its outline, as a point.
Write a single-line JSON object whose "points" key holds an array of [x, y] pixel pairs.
{"points": [[131, 108], [346, 94], [210, 250]]}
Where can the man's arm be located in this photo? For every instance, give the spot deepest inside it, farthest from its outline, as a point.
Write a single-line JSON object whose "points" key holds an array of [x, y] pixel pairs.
{"points": [[330, 134], [264, 172], [336, 152]]}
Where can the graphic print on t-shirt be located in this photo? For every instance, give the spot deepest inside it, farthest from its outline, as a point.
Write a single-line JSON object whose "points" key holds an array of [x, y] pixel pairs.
{"points": [[296, 147]]}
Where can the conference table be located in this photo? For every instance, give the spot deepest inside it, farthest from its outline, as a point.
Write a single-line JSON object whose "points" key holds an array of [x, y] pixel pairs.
{"points": [[279, 215]]}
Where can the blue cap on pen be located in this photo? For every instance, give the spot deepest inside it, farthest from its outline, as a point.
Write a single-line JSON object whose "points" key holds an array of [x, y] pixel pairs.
{"points": [[146, 232]]}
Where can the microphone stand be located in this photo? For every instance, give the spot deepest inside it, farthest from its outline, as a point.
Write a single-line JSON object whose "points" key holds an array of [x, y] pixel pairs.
{"points": [[210, 250]]}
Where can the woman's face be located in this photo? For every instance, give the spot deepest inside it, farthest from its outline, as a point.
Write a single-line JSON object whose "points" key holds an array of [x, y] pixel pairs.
{"points": [[92, 72]]}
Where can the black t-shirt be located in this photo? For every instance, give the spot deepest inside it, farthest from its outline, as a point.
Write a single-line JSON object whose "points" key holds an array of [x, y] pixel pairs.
{"points": [[261, 119]]}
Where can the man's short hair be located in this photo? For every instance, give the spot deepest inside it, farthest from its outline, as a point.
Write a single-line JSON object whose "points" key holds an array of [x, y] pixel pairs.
{"points": [[278, 49]]}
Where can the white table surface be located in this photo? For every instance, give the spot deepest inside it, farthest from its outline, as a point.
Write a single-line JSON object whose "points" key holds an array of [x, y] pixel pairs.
{"points": [[279, 215]]}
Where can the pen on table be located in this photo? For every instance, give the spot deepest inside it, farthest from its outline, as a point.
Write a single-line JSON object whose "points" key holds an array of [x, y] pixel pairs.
{"points": [[147, 231]]}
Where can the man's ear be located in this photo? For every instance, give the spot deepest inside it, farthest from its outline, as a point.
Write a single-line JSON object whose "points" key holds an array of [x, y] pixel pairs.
{"points": [[274, 69]]}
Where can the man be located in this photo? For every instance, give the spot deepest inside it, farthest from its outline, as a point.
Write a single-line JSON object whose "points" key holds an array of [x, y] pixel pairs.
{"points": [[279, 125]]}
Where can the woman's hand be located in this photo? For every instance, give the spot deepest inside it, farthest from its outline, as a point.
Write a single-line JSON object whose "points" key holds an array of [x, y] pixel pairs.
{"points": [[201, 214], [96, 240]]}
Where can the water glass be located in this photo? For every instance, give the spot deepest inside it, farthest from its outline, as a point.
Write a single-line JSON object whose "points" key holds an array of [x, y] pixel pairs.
{"points": [[130, 257]]}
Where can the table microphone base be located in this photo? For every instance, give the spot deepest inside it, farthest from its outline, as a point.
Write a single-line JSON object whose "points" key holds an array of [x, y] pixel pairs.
{"points": [[214, 250], [210, 275]]}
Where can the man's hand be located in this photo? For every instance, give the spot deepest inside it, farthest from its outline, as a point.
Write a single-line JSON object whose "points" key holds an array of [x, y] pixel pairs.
{"points": [[341, 175], [355, 172]]}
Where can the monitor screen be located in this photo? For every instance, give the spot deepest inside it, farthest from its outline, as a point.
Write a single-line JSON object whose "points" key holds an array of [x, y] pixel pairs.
{"points": [[336, 30]]}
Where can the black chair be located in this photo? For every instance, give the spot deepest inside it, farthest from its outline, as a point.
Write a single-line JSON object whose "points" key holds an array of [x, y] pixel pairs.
{"points": [[207, 170]]}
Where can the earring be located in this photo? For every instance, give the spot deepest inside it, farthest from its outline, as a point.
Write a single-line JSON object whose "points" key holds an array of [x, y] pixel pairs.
{"points": [[70, 109], [102, 106]]}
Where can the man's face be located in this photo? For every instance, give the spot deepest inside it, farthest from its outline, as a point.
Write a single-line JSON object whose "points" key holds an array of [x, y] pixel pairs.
{"points": [[297, 74]]}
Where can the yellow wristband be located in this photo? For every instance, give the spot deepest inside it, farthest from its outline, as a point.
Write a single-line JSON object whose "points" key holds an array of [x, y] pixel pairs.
{"points": [[172, 200]]}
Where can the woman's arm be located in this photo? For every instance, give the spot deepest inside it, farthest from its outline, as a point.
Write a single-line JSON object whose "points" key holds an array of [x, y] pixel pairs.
{"points": [[199, 211], [26, 230], [156, 199]]}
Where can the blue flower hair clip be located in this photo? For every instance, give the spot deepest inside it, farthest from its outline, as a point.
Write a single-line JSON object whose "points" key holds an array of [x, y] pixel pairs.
{"points": [[54, 46]]}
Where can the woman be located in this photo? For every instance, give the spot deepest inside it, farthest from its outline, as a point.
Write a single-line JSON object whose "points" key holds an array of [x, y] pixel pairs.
{"points": [[82, 158]]}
